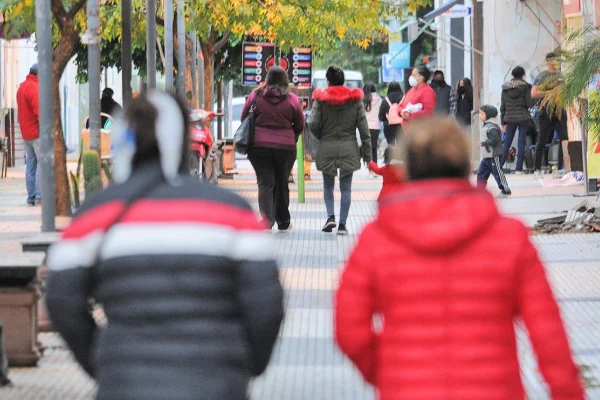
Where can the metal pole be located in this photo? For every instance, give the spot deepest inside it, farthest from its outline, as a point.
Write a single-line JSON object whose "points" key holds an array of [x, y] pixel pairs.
{"points": [[201, 77], [181, 49], [477, 40], [94, 71], [194, 68], [43, 19], [300, 161], [126, 51], [151, 43], [169, 45], [227, 95]]}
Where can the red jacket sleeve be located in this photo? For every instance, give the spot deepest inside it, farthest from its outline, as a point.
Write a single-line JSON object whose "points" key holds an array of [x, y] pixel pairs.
{"points": [[428, 101], [375, 168], [541, 315], [354, 309]]}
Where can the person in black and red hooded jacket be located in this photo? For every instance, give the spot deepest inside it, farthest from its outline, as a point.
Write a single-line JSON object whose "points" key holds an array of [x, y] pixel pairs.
{"points": [[184, 271]]}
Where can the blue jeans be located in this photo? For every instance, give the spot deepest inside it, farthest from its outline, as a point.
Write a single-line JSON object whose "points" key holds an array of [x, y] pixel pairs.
{"points": [[511, 129], [345, 188], [32, 170]]}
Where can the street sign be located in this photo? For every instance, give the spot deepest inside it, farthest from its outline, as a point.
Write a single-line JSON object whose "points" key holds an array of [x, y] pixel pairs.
{"points": [[257, 58], [388, 73], [400, 55], [458, 11], [298, 64]]}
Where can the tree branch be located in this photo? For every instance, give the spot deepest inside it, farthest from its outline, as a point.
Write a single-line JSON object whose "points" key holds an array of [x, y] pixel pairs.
{"points": [[222, 42], [75, 9], [59, 12]]}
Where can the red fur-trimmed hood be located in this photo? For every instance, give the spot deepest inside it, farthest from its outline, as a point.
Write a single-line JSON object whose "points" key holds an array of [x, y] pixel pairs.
{"points": [[338, 95]]}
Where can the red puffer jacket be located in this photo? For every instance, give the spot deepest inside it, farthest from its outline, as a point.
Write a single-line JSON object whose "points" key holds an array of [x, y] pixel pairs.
{"points": [[28, 106], [449, 276]]}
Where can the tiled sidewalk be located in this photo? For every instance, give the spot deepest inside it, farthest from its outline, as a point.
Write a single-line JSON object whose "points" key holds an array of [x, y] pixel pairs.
{"points": [[306, 364]]}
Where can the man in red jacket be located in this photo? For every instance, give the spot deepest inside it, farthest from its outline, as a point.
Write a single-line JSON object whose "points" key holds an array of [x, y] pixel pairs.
{"points": [[434, 266], [29, 118]]}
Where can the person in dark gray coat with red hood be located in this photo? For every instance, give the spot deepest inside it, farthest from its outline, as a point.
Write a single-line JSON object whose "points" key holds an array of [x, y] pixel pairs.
{"points": [[514, 110], [279, 120]]}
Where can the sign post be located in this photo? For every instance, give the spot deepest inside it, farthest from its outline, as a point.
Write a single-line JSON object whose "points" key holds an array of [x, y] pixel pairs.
{"points": [[300, 161]]}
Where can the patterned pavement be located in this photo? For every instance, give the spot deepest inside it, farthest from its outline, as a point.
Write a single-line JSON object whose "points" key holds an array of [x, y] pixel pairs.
{"points": [[306, 365]]}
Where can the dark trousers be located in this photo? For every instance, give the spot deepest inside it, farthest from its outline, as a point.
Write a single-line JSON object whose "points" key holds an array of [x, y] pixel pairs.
{"points": [[273, 167], [374, 143], [391, 133], [491, 166], [509, 135], [547, 125]]}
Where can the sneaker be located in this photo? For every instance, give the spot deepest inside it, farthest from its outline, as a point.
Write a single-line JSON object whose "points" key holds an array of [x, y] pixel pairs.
{"points": [[342, 231], [505, 194], [329, 225], [38, 202], [30, 204], [283, 228], [291, 179], [519, 173], [538, 174]]}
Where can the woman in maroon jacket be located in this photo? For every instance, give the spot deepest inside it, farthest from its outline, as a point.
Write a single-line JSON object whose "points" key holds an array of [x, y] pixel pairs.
{"points": [[435, 267], [279, 120]]}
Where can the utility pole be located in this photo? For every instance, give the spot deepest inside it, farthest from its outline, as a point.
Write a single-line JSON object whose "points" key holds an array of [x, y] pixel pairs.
{"points": [[181, 49], [43, 19], [93, 43], [169, 46], [126, 51], [151, 43], [477, 58], [194, 68]]}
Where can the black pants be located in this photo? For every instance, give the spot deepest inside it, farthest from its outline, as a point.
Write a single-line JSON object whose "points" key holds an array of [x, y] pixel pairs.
{"points": [[374, 143], [273, 167], [391, 133], [547, 125], [491, 166]]}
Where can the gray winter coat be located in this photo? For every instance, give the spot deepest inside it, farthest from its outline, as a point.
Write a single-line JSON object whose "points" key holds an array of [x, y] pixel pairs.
{"points": [[336, 115], [491, 140], [516, 102], [189, 285]]}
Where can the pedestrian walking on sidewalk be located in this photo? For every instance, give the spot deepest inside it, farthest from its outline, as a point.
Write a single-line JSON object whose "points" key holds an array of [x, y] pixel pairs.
{"points": [[183, 270], [514, 110], [392, 173], [279, 120], [434, 266], [388, 113], [491, 151], [336, 115], [419, 101], [372, 102], [462, 107], [443, 94], [29, 121], [548, 121]]}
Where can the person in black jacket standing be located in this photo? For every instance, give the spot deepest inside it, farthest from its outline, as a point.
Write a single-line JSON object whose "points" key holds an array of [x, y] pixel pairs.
{"points": [[462, 107], [184, 271], [514, 109], [391, 130], [443, 94]]}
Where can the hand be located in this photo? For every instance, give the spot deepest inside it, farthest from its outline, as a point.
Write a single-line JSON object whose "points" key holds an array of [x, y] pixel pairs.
{"points": [[405, 115], [503, 128], [366, 163]]}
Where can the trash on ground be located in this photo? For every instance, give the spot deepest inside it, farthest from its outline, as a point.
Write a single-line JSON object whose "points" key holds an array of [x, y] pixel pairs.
{"points": [[575, 178], [581, 219]]}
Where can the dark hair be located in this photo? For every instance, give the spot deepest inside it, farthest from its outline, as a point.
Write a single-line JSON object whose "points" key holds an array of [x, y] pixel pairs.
{"points": [[369, 89], [335, 76], [108, 92], [424, 72], [435, 148], [518, 72], [438, 72], [468, 88], [388, 154], [394, 87], [552, 55], [141, 116], [277, 79]]}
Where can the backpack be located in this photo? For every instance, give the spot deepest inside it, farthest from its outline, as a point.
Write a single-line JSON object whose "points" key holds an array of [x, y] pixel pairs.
{"points": [[392, 116]]}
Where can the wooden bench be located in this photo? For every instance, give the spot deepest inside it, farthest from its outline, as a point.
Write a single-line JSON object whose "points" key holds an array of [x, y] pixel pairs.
{"points": [[20, 291]]}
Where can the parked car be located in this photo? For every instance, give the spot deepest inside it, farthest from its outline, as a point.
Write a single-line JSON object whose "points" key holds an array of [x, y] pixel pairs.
{"points": [[354, 79], [237, 104]]}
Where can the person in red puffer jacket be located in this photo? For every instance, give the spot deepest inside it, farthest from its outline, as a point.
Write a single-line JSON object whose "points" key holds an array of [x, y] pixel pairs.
{"points": [[29, 116], [392, 173], [420, 100], [434, 267]]}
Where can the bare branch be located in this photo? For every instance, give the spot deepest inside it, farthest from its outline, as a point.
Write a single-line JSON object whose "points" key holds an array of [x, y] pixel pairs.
{"points": [[222, 42]]}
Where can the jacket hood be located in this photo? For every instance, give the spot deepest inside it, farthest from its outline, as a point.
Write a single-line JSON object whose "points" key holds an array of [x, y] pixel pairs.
{"points": [[437, 216], [338, 95], [515, 88], [33, 78], [273, 96], [395, 97]]}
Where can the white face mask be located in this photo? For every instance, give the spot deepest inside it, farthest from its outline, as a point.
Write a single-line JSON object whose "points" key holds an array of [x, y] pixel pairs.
{"points": [[412, 81]]}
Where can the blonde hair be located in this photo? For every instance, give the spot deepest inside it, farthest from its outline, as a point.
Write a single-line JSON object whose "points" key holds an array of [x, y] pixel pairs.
{"points": [[435, 148]]}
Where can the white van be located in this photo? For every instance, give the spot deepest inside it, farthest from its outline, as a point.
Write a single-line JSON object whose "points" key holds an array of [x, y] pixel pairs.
{"points": [[354, 79]]}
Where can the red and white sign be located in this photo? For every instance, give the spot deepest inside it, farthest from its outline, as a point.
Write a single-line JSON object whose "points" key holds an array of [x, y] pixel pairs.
{"points": [[572, 7]]}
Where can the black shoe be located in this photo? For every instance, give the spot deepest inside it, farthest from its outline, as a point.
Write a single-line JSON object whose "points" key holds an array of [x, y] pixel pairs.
{"points": [[342, 231], [505, 193], [291, 179], [329, 225], [30, 203], [285, 227]]}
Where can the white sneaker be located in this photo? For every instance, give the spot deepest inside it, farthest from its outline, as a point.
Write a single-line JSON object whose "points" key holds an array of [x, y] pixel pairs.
{"points": [[538, 174]]}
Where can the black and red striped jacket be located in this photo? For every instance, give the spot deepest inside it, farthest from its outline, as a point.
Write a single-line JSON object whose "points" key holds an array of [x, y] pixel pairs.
{"points": [[189, 284]]}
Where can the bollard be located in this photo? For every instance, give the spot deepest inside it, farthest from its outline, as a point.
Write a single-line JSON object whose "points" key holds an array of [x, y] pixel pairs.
{"points": [[300, 161]]}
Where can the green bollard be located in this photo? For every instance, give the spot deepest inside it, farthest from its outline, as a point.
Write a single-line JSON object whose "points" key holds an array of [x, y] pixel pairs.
{"points": [[300, 160]]}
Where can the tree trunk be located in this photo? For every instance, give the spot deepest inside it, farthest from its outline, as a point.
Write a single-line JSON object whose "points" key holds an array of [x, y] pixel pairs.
{"points": [[189, 68], [209, 64]]}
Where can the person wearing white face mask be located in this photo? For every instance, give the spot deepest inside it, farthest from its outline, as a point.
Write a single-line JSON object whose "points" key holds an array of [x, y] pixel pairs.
{"points": [[419, 101]]}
